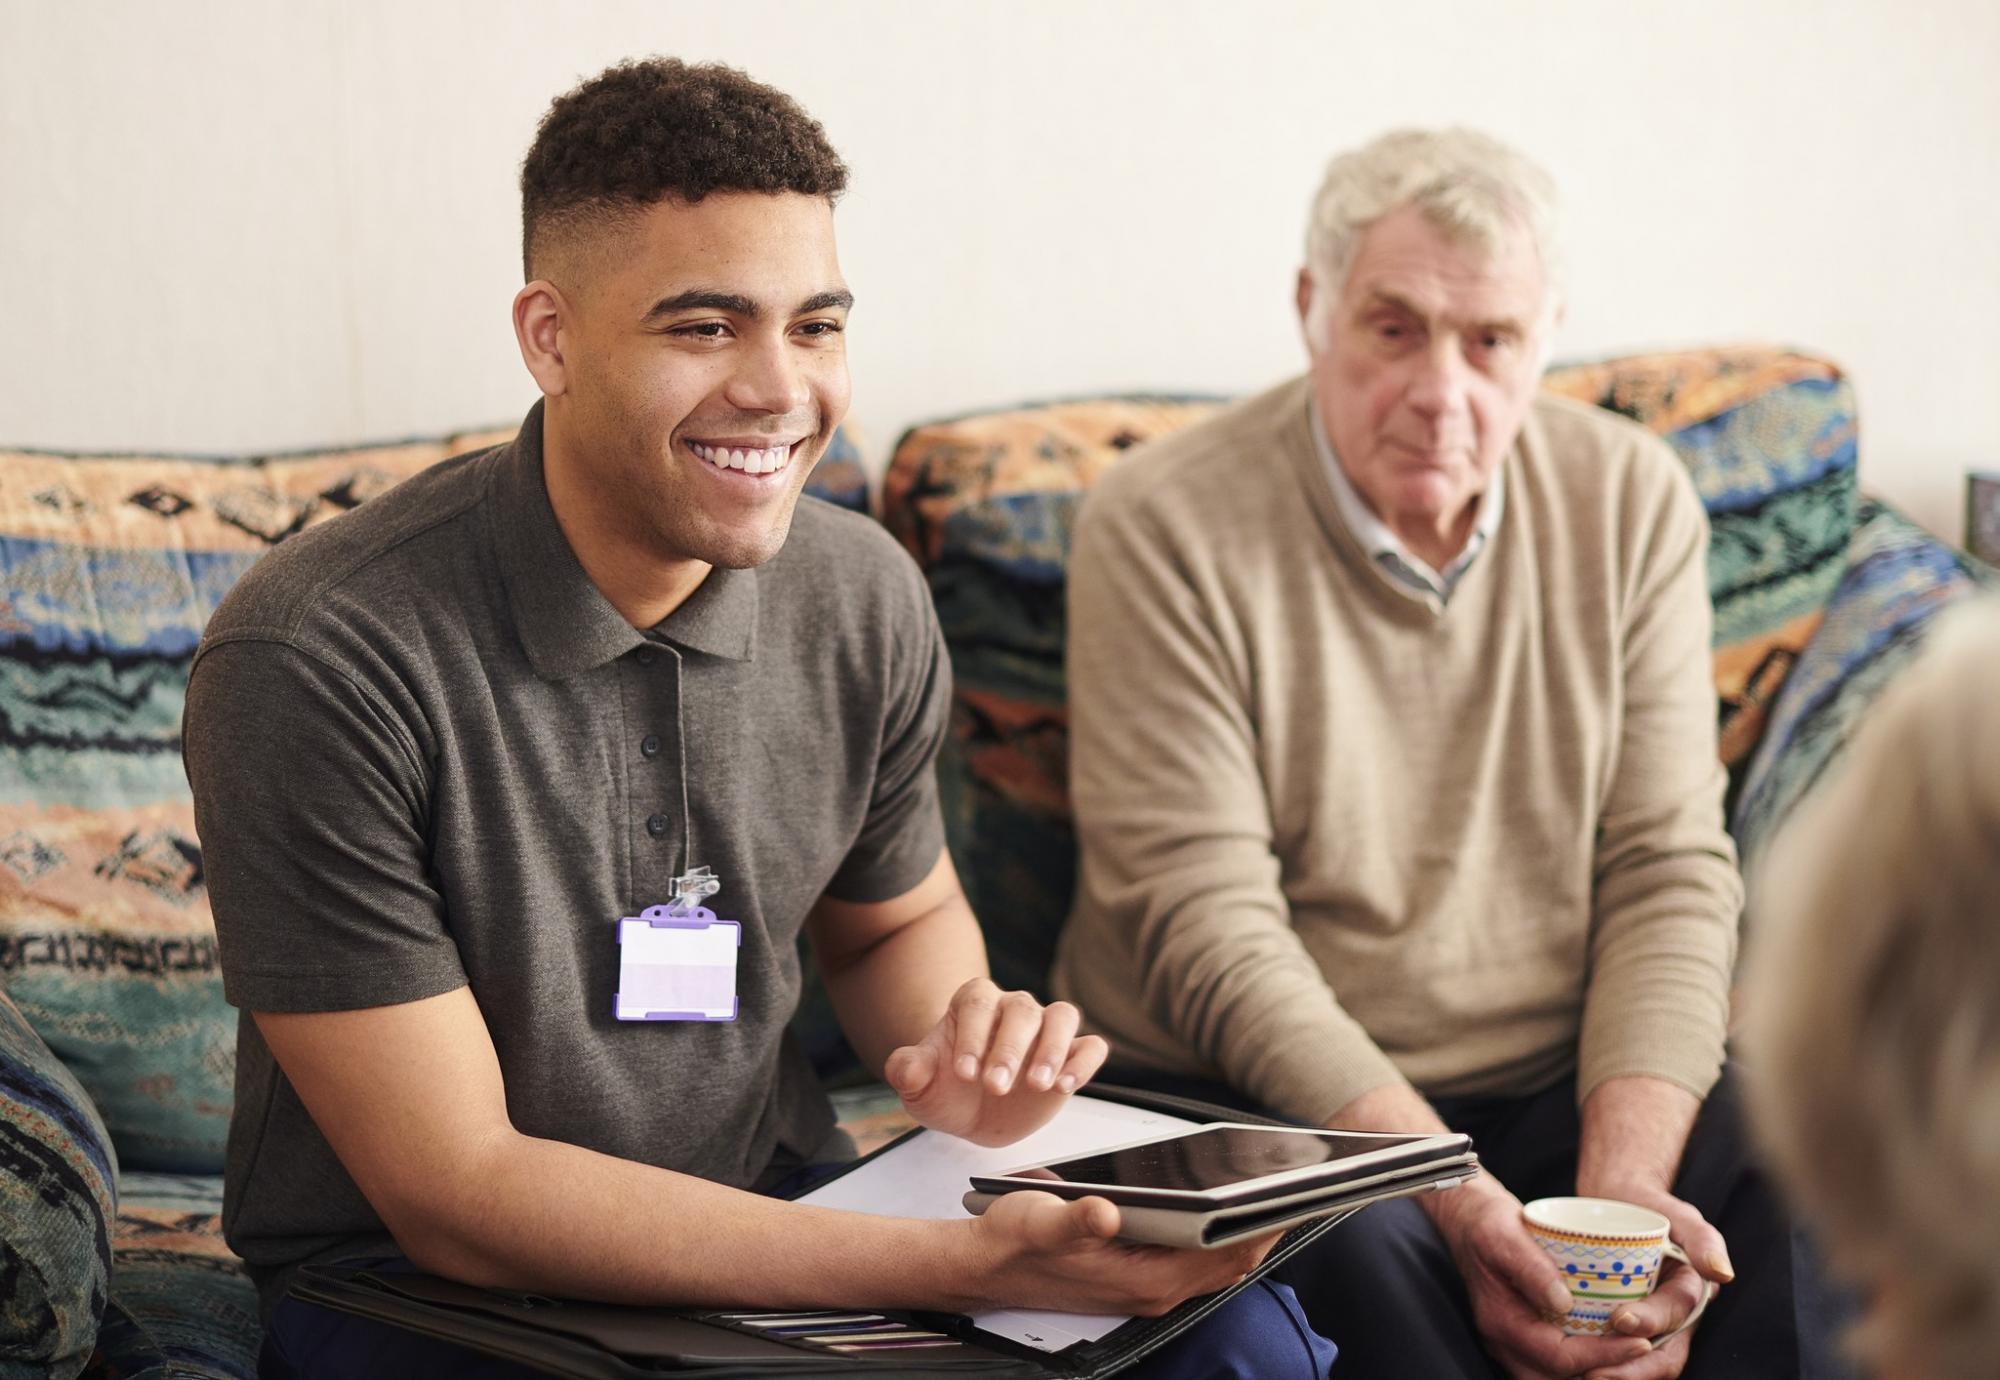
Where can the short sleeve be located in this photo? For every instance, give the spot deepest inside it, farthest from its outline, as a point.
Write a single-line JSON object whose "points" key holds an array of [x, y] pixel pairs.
{"points": [[310, 803], [903, 833]]}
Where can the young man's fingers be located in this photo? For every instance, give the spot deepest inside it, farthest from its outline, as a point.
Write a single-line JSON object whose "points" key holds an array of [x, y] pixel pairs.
{"points": [[1050, 1223], [1059, 1023], [911, 1070], [1095, 1218], [1086, 1057], [972, 1012], [1020, 1019]]}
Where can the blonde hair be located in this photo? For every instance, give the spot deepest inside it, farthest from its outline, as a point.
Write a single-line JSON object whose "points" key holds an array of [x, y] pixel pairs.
{"points": [[1873, 1008], [1468, 184]]}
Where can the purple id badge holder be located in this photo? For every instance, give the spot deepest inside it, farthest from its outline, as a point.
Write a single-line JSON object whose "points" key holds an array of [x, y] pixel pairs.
{"points": [[677, 962]]}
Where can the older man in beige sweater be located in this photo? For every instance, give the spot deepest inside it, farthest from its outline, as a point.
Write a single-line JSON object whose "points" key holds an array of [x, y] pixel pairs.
{"points": [[1395, 775]]}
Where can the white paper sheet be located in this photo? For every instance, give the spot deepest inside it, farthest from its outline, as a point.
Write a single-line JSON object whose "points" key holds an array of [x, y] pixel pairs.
{"points": [[928, 1175]]}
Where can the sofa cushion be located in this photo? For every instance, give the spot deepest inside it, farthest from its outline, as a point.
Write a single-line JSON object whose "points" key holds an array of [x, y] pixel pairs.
{"points": [[1768, 436], [1898, 578], [111, 566], [985, 503], [56, 1204], [181, 1306]]}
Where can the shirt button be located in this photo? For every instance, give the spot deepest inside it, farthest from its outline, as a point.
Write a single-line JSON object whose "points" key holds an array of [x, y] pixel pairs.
{"points": [[644, 656], [649, 746], [656, 825]]}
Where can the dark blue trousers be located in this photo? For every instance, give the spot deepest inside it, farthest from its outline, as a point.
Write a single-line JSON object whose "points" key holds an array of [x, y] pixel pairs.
{"points": [[1261, 1334]]}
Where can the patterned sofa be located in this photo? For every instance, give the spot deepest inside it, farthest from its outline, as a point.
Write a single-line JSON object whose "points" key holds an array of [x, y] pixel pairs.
{"points": [[116, 1049]]}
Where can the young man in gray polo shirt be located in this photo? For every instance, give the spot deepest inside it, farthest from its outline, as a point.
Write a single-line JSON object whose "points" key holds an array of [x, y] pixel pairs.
{"points": [[440, 746]]}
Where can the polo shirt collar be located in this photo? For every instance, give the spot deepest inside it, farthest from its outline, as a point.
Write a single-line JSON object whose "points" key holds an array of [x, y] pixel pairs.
{"points": [[565, 623], [1380, 541]]}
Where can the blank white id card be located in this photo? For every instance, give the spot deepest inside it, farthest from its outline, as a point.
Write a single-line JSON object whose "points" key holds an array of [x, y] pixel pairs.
{"points": [[677, 967]]}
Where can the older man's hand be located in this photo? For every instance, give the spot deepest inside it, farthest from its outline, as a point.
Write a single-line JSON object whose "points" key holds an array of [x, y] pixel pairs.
{"points": [[1681, 1287], [996, 1067], [1518, 1297]]}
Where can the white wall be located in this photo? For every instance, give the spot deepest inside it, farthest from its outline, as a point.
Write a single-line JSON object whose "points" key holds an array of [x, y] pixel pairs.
{"points": [[241, 225]]}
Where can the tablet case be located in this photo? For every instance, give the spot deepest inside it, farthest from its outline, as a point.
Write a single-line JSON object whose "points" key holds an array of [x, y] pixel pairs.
{"points": [[1206, 1230], [1207, 1221], [593, 1341]]}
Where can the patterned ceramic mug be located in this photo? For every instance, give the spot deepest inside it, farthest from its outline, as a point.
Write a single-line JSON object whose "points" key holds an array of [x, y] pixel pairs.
{"points": [[1609, 1254]]}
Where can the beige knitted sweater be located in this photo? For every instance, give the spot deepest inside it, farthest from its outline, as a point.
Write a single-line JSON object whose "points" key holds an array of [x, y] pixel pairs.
{"points": [[1334, 835]]}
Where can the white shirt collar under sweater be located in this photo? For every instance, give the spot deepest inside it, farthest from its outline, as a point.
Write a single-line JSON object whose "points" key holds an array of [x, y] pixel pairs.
{"points": [[1396, 560]]}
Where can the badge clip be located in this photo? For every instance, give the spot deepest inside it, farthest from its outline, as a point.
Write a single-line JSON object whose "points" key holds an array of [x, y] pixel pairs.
{"points": [[677, 962]]}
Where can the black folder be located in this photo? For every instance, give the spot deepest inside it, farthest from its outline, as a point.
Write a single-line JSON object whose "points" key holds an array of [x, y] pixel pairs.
{"points": [[598, 1341]]}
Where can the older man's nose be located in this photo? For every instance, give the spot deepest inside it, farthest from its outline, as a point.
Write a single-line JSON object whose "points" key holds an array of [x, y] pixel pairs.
{"points": [[1438, 387]]}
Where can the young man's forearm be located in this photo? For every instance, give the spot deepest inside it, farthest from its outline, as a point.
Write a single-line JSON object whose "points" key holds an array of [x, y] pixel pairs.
{"points": [[545, 1216], [894, 991]]}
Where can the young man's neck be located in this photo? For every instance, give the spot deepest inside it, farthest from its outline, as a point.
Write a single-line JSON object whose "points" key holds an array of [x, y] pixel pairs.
{"points": [[642, 587]]}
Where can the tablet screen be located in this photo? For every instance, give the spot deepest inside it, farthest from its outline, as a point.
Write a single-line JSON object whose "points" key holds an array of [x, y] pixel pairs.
{"points": [[1215, 1157]]}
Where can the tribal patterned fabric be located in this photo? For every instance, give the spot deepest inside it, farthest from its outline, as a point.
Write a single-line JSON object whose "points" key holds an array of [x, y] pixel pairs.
{"points": [[1769, 438], [181, 1307], [109, 568], [57, 1199], [1898, 579], [986, 502]]}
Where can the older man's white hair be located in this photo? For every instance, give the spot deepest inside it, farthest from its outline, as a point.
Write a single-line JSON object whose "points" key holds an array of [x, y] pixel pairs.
{"points": [[1873, 1010], [1468, 184]]}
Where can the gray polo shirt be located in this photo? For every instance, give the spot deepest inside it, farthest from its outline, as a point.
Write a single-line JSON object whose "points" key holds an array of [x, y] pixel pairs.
{"points": [[426, 752]]}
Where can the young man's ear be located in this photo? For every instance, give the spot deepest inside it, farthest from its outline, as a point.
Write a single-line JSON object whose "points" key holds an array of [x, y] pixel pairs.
{"points": [[540, 313]]}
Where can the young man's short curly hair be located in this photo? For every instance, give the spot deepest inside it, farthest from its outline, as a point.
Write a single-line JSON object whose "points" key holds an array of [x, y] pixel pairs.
{"points": [[660, 127]]}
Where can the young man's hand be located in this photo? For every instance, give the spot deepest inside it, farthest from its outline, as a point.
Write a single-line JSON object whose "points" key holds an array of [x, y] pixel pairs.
{"points": [[996, 1067], [1035, 1250]]}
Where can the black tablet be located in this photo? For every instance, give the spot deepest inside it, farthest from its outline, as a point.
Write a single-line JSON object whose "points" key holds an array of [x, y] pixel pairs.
{"points": [[1229, 1163]]}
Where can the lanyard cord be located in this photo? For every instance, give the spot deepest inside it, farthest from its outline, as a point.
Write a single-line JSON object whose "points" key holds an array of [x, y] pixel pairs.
{"points": [[681, 741], [681, 747]]}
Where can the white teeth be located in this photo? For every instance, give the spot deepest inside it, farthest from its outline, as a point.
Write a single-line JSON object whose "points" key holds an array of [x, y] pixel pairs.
{"points": [[749, 461]]}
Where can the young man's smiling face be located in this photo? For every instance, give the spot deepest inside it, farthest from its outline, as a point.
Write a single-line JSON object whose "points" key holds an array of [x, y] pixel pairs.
{"points": [[697, 372]]}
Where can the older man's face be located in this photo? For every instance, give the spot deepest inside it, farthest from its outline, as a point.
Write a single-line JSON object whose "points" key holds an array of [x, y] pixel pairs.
{"points": [[1424, 365]]}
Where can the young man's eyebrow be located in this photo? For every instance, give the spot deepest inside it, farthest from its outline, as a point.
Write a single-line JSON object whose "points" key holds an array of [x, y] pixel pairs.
{"points": [[736, 304], [704, 299], [827, 301]]}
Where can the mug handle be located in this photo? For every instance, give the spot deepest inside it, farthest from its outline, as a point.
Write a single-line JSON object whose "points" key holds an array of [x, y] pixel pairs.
{"points": [[1707, 1293]]}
